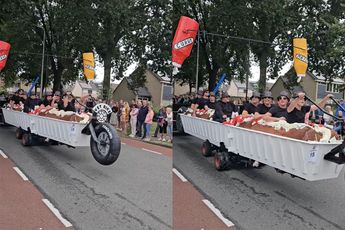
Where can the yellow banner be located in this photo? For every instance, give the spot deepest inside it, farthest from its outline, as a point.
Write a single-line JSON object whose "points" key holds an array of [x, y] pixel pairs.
{"points": [[89, 66], [300, 56]]}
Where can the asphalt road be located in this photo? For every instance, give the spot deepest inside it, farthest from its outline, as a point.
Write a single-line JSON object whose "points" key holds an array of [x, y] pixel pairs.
{"points": [[261, 199], [133, 193]]}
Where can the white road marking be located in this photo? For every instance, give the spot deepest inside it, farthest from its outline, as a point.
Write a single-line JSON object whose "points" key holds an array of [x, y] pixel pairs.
{"points": [[151, 151], [3, 154], [216, 211], [57, 213], [123, 143], [21, 174], [177, 173]]}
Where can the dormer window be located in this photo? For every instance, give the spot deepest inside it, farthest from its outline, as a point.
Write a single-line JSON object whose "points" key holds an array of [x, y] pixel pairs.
{"points": [[332, 88]]}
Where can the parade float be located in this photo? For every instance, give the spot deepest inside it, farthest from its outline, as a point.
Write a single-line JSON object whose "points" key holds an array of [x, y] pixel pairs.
{"points": [[49, 125], [310, 152]]}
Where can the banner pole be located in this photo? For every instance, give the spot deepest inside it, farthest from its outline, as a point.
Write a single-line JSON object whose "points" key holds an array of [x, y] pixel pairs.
{"points": [[197, 64]]}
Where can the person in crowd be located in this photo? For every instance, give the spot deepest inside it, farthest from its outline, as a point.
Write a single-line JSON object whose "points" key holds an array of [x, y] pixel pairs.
{"points": [[18, 97], [143, 110], [252, 106], [160, 115], [66, 103], [279, 111], [297, 109], [124, 116], [89, 101], [224, 108], [265, 106], [148, 122], [113, 117], [342, 104], [56, 99], [162, 124], [31, 102], [119, 114], [339, 124], [133, 114], [169, 120], [211, 103], [199, 102], [328, 120], [47, 99]]}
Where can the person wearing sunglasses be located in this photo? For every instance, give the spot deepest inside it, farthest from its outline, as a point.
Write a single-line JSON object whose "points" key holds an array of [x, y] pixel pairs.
{"points": [[265, 106], [297, 109], [252, 106], [279, 111]]}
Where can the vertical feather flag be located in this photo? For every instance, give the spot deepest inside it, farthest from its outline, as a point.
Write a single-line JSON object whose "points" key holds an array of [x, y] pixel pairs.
{"points": [[4, 50], [183, 40], [300, 56], [89, 66]]}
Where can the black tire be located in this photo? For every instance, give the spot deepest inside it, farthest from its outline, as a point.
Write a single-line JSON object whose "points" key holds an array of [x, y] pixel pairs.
{"points": [[19, 133], [27, 139], [222, 161], [107, 152], [206, 149]]}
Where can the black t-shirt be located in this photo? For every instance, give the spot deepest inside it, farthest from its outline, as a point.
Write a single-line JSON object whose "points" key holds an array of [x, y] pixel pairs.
{"points": [[69, 106], [250, 108], [17, 99], [262, 109], [297, 116], [276, 111], [211, 105], [201, 102], [224, 109]]}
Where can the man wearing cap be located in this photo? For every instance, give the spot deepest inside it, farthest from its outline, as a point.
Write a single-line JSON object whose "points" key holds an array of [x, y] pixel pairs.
{"points": [[252, 106], [31, 102], [47, 99], [211, 103], [56, 99], [278, 111], [200, 102], [266, 105], [297, 109], [224, 108]]}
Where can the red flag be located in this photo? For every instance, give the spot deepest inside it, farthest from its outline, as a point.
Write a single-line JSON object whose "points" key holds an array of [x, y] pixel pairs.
{"points": [[183, 40], [4, 50]]}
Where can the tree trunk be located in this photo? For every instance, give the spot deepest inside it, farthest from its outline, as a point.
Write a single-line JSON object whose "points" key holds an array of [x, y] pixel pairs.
{"points": [[212, 79], [263, 70], [57, 72], [107, 71]]}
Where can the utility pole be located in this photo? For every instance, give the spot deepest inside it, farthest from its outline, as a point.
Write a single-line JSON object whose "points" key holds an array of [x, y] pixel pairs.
{"points": [[43, 50]]}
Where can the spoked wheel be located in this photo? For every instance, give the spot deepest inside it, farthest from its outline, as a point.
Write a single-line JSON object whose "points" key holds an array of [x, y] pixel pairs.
{"points": [[222, 161], [206, 149], [27, 139], [108, 149], [19, 133]]}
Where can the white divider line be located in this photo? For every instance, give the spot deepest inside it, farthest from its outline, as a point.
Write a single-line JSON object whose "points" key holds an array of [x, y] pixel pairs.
{"points": [[21, 174], [216, 211], [123, 143], [151, 151], [177, 173], [3, 154], [57, 213]]}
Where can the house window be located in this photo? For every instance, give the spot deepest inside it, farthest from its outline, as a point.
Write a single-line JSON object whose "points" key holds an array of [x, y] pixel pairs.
{"points": [[241, 90], [331, 87], [167, 92]]}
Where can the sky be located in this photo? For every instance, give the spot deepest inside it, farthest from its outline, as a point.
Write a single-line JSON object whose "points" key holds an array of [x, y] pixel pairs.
{"points": [[255, 70]]}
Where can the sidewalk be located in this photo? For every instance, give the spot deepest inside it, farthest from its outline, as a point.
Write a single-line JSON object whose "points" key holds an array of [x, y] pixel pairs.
{"points": [[22, 206]]}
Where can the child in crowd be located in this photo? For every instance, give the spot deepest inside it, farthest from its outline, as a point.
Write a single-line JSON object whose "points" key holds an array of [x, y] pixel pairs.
{"points": [[169, 120]]}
